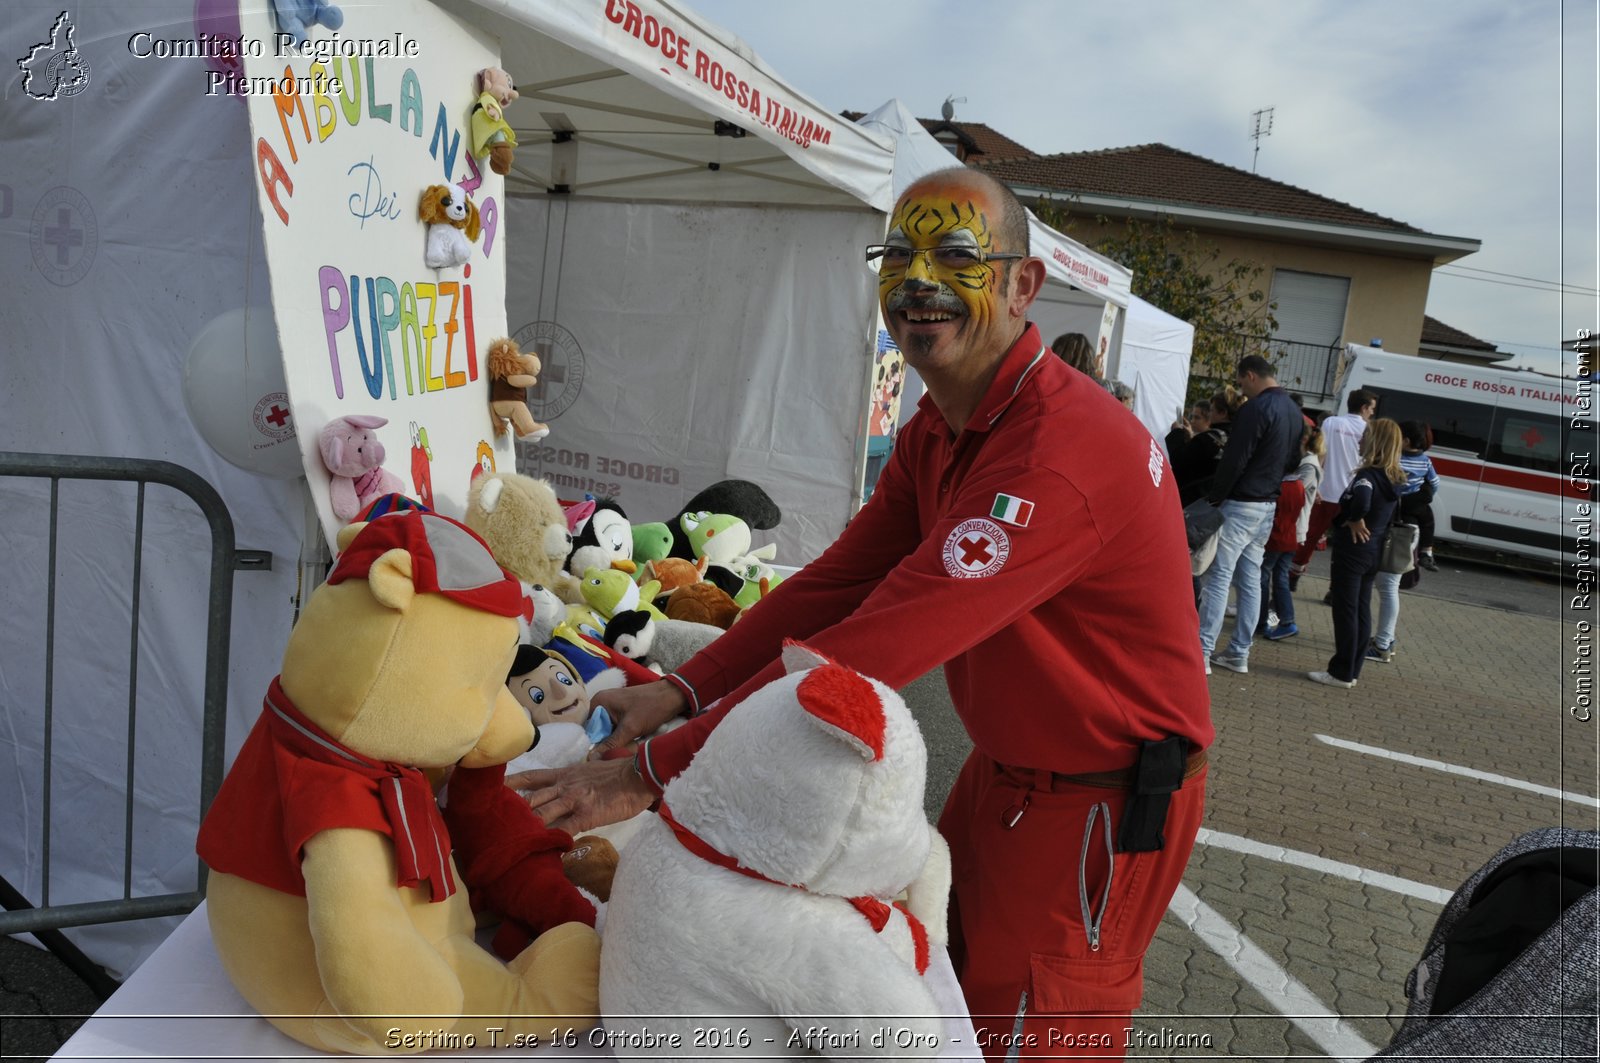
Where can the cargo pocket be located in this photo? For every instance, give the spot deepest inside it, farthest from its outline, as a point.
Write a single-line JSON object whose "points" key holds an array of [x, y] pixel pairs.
{"points": [[1061, 985]]}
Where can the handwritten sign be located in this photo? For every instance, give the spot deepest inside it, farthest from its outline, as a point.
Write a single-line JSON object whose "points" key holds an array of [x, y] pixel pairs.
{"points": [[350, 129]]}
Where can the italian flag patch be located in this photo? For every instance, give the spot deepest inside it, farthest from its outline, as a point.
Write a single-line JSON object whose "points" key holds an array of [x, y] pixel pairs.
{"points": [[1012, 510]]}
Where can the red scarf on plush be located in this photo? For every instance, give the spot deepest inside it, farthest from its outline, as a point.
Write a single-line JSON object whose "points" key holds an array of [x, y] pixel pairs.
{"points": [[292, 780], [875, 911]]}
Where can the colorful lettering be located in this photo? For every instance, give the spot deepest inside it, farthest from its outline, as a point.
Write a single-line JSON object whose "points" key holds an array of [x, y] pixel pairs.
{"points": [[382, 113], [430, 291], [472, 340], [334, 318], [290, 103], [410, 103], [488, 223], [441, 132], [388, 307], [451, 327], [371, 372], [409, 331], [321, 102], [349, 101], [273, 175]]}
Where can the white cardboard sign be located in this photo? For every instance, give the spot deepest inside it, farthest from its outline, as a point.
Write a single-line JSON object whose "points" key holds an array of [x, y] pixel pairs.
{"points": [[348, 132]]}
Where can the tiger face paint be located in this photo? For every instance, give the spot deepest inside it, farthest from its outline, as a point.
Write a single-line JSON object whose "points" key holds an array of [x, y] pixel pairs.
{"points": [[938, 308]]}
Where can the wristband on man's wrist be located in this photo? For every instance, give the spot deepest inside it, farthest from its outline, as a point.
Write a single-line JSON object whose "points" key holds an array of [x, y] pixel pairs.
{"points": [[691, 699]]}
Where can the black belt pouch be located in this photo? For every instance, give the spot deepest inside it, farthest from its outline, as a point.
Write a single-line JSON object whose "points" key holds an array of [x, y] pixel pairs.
{"points": [[1157, 775]]}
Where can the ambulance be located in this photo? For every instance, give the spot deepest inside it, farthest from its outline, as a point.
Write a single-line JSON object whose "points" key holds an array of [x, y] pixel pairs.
{"points": [[1514, 449]]}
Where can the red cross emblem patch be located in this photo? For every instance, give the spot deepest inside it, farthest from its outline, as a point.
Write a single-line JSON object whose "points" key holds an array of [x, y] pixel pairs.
{"points": [[976, 548]]}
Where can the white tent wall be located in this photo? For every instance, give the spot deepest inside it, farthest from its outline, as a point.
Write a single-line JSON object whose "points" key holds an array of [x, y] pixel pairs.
{"points": [[1155, 352], [126, 224], [715, 342]]}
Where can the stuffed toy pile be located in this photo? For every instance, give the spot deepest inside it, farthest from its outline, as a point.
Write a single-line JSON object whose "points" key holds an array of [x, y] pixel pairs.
{"points": [[795, 828], [334, 903]]}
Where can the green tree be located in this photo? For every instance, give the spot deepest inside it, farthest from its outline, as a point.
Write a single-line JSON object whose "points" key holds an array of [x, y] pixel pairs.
{"points": [[1180, 272]]}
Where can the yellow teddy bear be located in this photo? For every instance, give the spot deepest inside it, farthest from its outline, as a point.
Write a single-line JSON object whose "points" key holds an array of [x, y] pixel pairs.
{"points": [[334, 902]]}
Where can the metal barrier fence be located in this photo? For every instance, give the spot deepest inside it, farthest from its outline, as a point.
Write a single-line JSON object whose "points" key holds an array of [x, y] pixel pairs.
{"points": [[45, 918]]}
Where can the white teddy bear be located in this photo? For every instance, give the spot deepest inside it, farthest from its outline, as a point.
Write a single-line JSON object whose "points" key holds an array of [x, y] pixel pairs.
{"points": [[763, 892]]}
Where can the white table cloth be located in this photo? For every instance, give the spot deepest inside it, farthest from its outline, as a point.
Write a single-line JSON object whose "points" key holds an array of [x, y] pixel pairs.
{"points": [[180, 1006]]}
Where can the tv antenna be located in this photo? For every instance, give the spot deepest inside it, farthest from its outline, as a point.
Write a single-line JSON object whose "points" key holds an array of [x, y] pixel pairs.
{"points": [[1260, 126], [948, 109]]}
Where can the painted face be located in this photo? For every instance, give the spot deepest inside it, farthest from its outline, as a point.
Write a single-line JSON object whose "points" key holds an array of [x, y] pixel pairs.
{"points": [[938, 308], [550, 693]]}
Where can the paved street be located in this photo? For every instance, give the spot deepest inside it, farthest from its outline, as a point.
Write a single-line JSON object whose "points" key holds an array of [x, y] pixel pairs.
{"points": [[1285, 926], [1322, 866]]}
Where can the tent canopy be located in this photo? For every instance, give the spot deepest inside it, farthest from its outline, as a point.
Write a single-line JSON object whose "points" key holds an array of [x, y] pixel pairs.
{"points": [[648, 101]]}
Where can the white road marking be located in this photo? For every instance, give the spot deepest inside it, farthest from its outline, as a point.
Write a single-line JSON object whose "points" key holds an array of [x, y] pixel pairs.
{"points": [[1277, 986], [1456, 769], [1321, 864]]}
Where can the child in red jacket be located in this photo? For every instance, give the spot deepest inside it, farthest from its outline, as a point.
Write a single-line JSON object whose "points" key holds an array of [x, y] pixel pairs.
{"points": [[1276, 561]]}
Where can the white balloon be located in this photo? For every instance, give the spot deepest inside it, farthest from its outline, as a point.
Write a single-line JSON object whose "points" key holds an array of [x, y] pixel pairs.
{"points": [[233, 387]]}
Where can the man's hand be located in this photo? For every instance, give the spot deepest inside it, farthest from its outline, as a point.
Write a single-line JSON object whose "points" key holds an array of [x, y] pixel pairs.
{"points": [[584, 796], [636, 712]]}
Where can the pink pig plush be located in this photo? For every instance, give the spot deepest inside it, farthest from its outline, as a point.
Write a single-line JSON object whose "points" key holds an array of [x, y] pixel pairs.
{"points": [[354, 457]]}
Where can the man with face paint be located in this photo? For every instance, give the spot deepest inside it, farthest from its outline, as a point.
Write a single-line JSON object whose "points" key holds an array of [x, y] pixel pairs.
{"points": [[1026, 534]]}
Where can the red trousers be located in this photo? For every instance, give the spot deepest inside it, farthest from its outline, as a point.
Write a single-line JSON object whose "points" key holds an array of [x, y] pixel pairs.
{"points": [[1322, 514], [1018, 924]]}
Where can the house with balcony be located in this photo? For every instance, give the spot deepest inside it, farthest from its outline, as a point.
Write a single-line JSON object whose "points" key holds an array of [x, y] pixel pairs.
{"points": [[1337, 273]]}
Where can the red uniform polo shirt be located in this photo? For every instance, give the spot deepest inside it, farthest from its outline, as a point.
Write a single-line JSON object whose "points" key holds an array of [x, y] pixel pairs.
{"points": [[1039, 554]]}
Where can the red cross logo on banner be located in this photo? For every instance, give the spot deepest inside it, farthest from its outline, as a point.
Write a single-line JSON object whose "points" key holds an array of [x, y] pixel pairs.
{"points": [[976, 548]]}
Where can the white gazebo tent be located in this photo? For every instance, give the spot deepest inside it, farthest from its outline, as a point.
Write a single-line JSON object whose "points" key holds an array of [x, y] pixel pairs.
{"points": [[1149, 349], [680, 216], [718, 336]]}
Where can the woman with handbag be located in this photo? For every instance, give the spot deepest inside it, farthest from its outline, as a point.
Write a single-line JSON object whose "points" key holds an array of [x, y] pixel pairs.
{"points": [[1416, 494], [1366, 509]]}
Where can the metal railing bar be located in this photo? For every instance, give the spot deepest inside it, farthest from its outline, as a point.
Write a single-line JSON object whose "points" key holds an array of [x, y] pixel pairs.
{"points": [[133, 694], [89, 913], [57, 467], [49, 687]]}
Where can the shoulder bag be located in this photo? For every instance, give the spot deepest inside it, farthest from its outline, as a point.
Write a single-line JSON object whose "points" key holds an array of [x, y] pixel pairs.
{"points": [[1399, 553]]}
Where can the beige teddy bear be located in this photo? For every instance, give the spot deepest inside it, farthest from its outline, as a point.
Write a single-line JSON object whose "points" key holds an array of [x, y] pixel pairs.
{"points": [[334, 903], [526, 529]]}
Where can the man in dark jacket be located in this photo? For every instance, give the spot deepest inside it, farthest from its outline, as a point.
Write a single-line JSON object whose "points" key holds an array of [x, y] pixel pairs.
{"points": [[1263, 440]]}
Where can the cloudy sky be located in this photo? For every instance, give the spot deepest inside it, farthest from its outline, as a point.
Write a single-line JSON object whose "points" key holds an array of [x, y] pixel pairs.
{"points": [[1473, 118]]}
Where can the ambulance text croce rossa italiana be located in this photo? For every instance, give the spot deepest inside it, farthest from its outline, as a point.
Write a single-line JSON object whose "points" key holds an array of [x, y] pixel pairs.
{"points": [[1513, 450]]}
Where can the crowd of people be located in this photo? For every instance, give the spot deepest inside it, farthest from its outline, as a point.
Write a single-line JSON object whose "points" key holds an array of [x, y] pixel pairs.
{"points": [[1283, 485]]}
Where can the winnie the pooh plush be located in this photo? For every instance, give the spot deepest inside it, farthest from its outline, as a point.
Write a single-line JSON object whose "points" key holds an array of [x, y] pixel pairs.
{"points": [[334, 903], [796, 825]]}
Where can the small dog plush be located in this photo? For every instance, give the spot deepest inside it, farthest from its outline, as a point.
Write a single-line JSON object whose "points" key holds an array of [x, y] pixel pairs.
{"points": [[511, 373], [453, 226]]}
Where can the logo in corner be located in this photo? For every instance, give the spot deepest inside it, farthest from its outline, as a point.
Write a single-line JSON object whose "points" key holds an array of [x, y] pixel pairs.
{"points": [[1158, 463], [976, 548], [54, 68]]}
